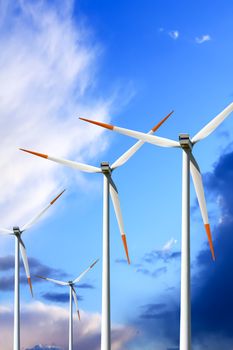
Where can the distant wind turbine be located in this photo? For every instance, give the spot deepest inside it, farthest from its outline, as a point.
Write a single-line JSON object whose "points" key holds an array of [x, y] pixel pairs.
{"points": [[19, 245], [189, 165], [108, 186], [73, 295]]}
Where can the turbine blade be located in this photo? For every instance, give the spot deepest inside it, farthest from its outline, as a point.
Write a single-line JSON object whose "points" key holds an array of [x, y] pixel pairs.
{"points": [[76, 302], [131, 151], [25, 262], [71, 164], [6, 231], [36, 217], [197, 181], [61, 283], [213, 124], [155, 140], [84, 272], [117, 209]]}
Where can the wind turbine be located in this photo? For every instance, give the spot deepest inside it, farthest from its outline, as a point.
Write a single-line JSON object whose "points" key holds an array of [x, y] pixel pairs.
{"points": [[189, 165], [19, 245], [108, 186], [73, 295]]}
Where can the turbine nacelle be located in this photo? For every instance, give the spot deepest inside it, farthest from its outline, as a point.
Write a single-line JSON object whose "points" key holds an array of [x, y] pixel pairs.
{"points": [[17, 231], [105, 167], [185, 141]]}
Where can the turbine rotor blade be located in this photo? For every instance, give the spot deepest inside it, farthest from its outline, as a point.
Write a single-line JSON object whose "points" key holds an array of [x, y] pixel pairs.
{"points": [[75, 297], [37, 217], [84, 272], [69, 163], [155, 140], [6, 231], [198, 185], [213, 124], [25, 263], [61, 283], [132, 150], [117, 209]]}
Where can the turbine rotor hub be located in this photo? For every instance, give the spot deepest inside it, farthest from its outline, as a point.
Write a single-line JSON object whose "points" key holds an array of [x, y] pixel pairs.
{"points": [[16, 230], [185, 141], [105, 167]]}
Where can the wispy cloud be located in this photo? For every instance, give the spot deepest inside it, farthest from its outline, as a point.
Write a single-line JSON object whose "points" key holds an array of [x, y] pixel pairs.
{"points": [[169, 245], [159, 255], [203, 38], [152, 310], [36, 268], [47, 68], [85, 286], [59, 297], [44, 316], [174, 34], [155, 273], [121, 261], [44, 347], [165, 254]]}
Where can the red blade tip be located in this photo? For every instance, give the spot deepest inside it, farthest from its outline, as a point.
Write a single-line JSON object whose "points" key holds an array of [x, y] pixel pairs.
{"points": [[56, 198], [104, 125], [156, 127], [123, 236], [30, 285], [208, 232], [34, 153]]}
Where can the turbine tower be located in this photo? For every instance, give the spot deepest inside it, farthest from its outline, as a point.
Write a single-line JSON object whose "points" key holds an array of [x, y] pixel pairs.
{"points": [[19, 246], [189, 165], [108, 187], [73, 296]]}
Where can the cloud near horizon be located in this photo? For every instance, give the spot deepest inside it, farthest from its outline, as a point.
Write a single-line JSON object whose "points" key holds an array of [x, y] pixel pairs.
{"points": [[59, 297], [36, 268], [52, 329], [44, 347]]}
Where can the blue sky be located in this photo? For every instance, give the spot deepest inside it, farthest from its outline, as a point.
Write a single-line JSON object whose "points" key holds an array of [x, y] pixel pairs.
{"points": [[128, 63]]}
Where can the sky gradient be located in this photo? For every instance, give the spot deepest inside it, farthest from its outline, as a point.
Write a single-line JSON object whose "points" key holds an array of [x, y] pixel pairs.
{"points": [[128, 63]]}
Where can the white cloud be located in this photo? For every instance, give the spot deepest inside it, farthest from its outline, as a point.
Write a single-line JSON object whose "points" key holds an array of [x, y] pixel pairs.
{"points": [[48, 325], [161, 29], [174, 34], [47, 70], [201, 39], [169, 245]]}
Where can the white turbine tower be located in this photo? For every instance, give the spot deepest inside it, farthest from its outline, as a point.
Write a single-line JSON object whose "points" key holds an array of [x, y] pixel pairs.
{"points": [[73, 295], [108, 186], [189, 165], [19, 245]]}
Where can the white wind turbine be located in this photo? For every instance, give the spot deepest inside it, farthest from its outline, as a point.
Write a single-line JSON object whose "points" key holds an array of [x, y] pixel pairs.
{"points": [[189, 165], [73, 295], [19, 245], [108, 186]]}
